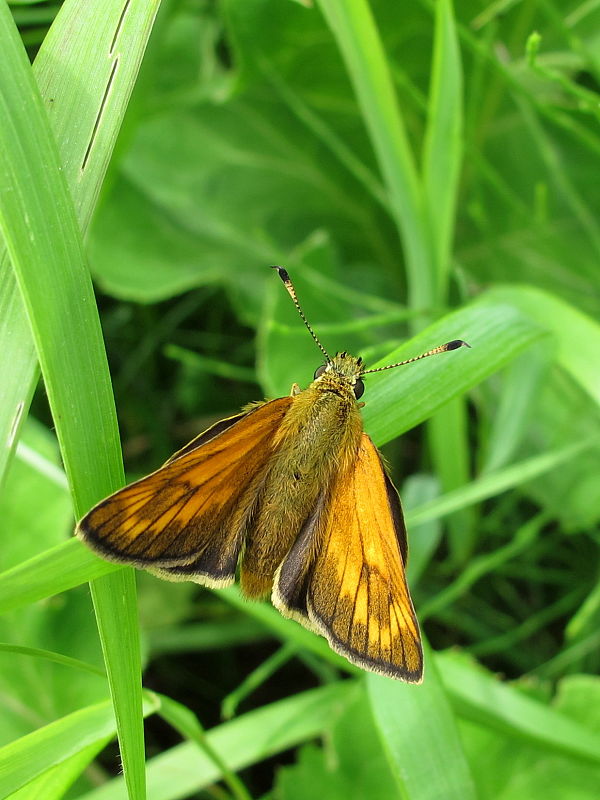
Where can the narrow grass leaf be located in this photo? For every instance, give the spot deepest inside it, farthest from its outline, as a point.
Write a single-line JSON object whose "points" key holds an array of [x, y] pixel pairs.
{"points": [[399, 399], [442, 155], [187, 724], [354, 28], [494, 483], [577, 335], [570, 658], [50, 572], [447, 434], [31, 755], [255, 679], [442, 158], [48, 655], [43, 239], [585, 618], [482, 698], [186, 769], [48, 259], [223, 369], [54, 783], [521, 385], [420, 737]]}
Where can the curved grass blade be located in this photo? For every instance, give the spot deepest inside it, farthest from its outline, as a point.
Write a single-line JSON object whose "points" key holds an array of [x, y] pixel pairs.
{"points": [[420, 737], [43, 239]]}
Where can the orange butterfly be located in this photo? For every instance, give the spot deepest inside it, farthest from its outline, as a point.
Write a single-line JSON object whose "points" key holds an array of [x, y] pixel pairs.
{"points": [[297, 493]]}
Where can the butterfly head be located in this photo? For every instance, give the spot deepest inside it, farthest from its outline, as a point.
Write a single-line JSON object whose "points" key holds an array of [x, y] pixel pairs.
{"points": [[343, 371]]}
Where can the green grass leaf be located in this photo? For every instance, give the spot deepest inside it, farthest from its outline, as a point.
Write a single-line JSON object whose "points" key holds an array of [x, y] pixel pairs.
{"points": [[576, 334], [361, 768], [253, 737], [480, 697], [42, 237], [419, 734], [402, 398], [358, 39], [51, 572], [494, 483], [54, 783], [32, 755], [443, 141]]}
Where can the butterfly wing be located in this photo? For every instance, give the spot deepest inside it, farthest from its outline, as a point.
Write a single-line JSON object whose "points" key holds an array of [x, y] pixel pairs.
{"points": [[188, 518], [344, 576]]}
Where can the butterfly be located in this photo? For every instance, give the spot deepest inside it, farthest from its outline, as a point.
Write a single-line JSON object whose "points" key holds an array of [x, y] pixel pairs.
{"points": [[293, 494]]}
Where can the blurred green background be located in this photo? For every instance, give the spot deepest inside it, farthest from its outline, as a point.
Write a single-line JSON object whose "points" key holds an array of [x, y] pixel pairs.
{"points": [[424, 174]]}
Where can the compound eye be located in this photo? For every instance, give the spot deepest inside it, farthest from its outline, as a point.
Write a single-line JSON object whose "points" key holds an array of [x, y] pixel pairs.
{"points": [[359, 388], [320, 370]]}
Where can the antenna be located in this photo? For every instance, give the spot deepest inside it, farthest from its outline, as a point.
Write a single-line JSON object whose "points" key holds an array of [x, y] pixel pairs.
{"points": [[292, 293], [443, 348]]}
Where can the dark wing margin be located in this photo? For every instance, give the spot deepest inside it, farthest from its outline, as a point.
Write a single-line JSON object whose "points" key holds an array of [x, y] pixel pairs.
{"points": [[210, 433], [397, 515]]}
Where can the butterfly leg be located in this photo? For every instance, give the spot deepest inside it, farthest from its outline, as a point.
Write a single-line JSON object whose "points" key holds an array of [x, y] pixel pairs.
{"points": [[295, 390]]}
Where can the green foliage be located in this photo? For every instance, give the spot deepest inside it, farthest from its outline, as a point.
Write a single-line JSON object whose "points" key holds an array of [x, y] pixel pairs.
{"points": [[425, 174]]}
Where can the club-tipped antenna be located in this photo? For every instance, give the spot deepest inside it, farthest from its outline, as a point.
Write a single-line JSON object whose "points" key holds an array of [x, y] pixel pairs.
{"points": [[443, 348], [292, 293]]}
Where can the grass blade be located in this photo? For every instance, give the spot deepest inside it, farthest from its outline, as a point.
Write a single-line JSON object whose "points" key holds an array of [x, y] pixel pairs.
{"points": [[32, 755], [442, 153], [493, 483], [85, 119], [480, 697], [442, 159], [577, 335], [400, 399], [420, 737], [187, 769], [353, 26], [43, 239], [50, 572]]}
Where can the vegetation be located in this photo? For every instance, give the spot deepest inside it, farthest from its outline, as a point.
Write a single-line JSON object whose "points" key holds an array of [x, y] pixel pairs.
{"points": [[424, 174]]}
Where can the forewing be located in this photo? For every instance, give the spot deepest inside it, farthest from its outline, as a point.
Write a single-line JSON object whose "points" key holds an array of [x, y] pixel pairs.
{"points": [[188, 518], [357, 596], [207, 435]]}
